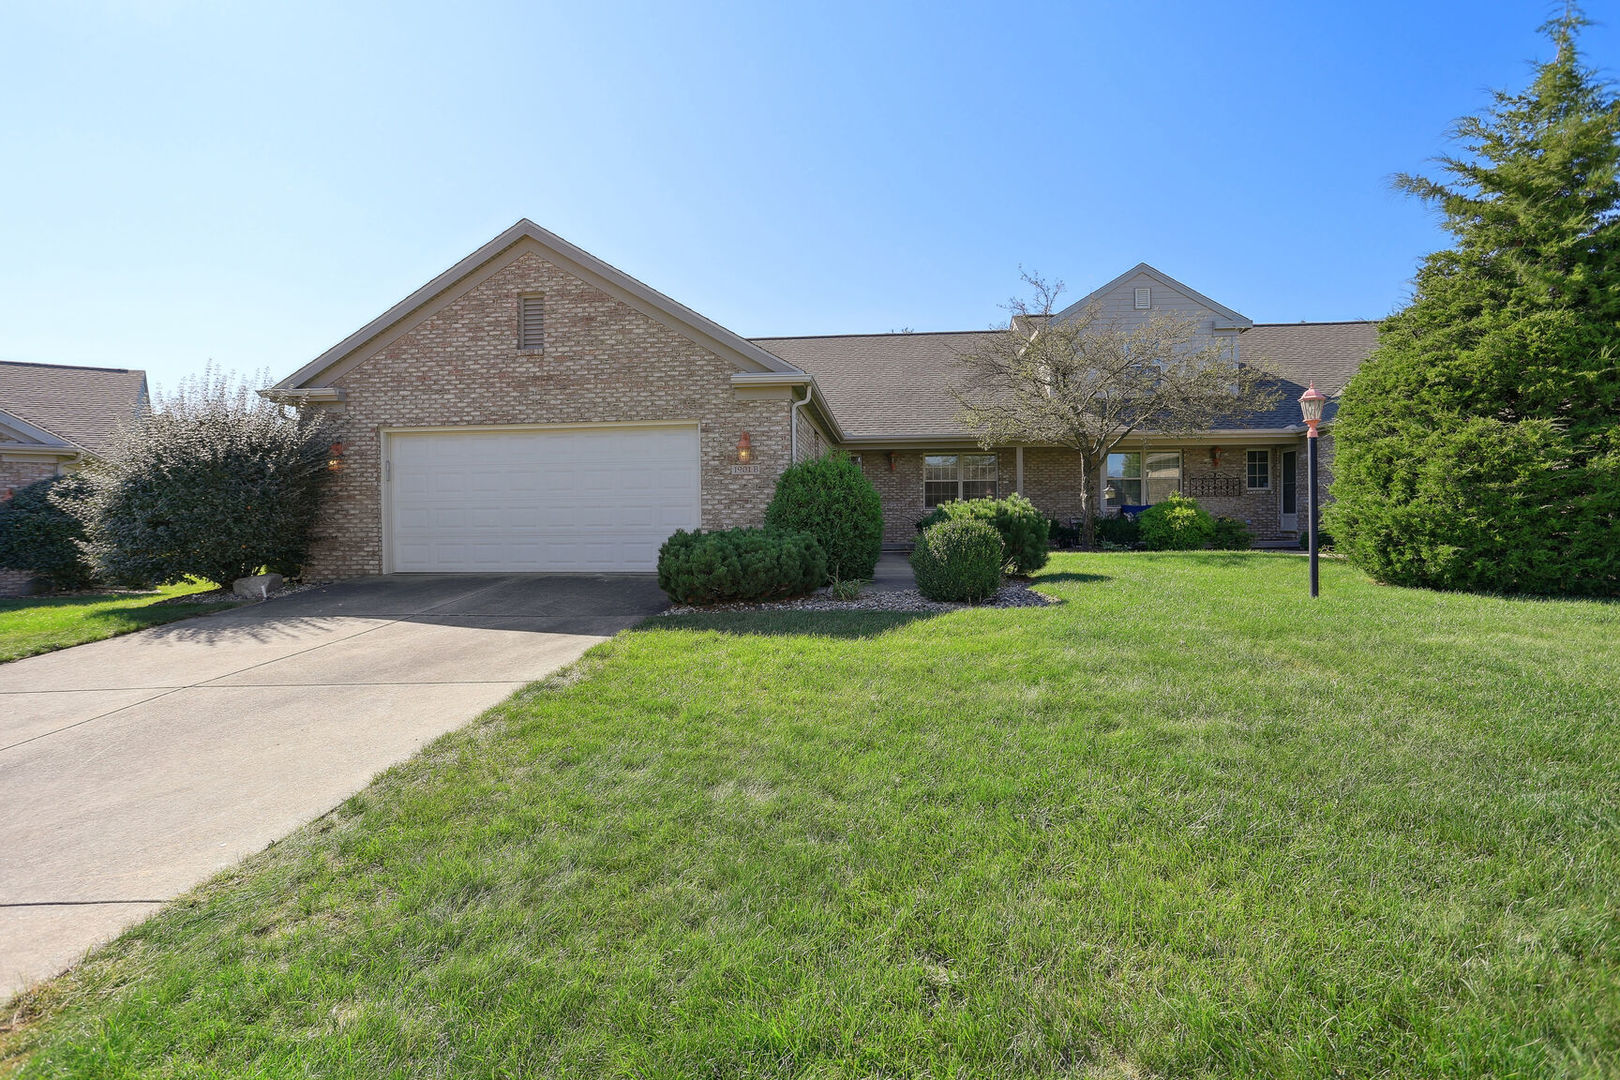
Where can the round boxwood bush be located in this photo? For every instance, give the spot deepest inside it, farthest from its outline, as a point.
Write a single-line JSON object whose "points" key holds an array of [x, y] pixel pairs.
{"points": [[1025, 531], [1231, 535], [829, 498], [958, 560], [1177, 524], [37, 534], [739, 565]]}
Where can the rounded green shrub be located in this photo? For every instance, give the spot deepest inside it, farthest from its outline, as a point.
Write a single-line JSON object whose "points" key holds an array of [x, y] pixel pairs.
{"points": [[1177, 523], [1025, 532], [1120, 529], [740, 565], [215, 482], [832, 500], [1231, 535], [958, 561], [39, 535]]}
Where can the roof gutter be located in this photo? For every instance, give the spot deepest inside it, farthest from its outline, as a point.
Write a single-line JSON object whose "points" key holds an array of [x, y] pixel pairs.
{"points": [[793, 379]]}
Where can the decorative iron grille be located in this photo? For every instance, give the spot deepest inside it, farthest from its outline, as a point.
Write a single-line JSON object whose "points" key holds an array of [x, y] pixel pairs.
{"points": [[1213, 486]]}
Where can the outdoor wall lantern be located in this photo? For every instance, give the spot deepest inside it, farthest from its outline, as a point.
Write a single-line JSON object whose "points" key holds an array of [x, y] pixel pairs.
{"points": [[892, 456], [334, 457], [745, 452], [1214, 457], [1310, 407]]}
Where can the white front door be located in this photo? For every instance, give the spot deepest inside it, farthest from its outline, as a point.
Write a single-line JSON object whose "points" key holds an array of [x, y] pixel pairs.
{"points": [[576, 499]]}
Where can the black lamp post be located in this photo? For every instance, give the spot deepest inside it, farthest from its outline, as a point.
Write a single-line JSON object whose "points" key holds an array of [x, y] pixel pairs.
{"points": [[1310, 405]]}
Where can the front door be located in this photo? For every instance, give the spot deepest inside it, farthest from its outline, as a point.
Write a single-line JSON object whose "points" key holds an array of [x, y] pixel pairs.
{"points": [[1290, 491]]}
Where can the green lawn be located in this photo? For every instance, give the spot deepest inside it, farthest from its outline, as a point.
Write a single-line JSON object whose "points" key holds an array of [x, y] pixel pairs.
{"points": [[1184, 824], [37, 624]]}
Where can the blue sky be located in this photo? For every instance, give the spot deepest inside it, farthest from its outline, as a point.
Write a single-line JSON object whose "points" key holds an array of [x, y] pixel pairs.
{"points": [[185, 182]]}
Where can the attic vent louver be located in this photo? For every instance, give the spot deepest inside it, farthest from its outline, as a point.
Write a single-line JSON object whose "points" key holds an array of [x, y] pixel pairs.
{"points": [[531, 323], [1144, 297]]}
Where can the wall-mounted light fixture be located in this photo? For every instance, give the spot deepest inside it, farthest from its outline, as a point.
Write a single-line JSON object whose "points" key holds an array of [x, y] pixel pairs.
{"points": [[892, 457], [1214, 457], [334, 457], [745, 452]]}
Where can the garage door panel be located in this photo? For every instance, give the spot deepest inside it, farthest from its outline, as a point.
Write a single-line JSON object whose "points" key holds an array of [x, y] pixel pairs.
{"points": [[561, 500]]}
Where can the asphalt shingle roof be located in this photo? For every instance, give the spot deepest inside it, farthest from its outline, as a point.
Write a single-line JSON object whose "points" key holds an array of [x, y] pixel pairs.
{"points": [[890, 385], [82, 405]]}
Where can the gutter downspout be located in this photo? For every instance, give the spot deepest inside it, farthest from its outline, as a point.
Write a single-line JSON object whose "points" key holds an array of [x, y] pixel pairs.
{"points": [[793, 425]]}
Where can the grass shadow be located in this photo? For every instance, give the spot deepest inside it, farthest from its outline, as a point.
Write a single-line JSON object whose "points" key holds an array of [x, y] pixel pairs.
{"points": [[849, 625], [1068, 575]]}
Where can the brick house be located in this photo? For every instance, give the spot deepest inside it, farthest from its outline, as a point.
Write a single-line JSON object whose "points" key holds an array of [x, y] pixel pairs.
{"points": [[53, 417], [535, 409]]}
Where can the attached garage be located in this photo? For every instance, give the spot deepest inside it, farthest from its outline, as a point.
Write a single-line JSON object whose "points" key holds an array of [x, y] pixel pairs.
{"points": [[593, 499]]}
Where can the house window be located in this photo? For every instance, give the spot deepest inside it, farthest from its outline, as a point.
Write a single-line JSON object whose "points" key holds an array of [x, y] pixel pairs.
{"points": [[1136, 479], [531, 323], [1259, 470], [947, 477]]}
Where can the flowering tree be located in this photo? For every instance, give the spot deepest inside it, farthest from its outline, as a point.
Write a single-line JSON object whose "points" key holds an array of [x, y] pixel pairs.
{"points": [[215, 482]]}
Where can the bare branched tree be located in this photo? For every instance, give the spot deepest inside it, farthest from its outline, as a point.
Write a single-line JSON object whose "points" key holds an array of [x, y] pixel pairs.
{"points": [[1087, 381]]}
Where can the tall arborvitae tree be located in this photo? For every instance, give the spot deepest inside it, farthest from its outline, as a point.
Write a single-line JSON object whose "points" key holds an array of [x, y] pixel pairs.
{"points": [[1479, 447]]}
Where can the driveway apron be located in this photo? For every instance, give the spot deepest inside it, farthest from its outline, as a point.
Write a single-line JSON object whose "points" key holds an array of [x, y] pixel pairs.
{"points": [[134, 768]]}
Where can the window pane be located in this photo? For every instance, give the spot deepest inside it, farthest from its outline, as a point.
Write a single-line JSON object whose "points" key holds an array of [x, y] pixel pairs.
{"points": [[1259, 463], [1164, 475], [1128, 465], [1159, 490], [1164, 464], [939, 468], [978, 466], [1126, 492], [936, 492]]}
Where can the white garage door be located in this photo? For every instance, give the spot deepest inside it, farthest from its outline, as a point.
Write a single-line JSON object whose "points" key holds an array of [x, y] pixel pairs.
{"points": [[575, 499]]}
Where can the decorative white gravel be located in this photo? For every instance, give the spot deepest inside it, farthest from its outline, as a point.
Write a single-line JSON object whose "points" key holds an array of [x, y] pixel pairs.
{"points": [[1012, 594]]}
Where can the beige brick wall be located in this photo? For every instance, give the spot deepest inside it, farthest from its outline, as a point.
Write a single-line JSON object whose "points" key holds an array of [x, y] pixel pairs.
{"points": [[20, 473], [15, 582], [813, 442], [898, 477], [603, 362], [1260, 509], [16, 474], [1052, 482]]}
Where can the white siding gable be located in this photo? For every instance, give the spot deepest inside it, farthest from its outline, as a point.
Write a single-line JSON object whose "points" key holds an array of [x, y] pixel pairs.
{"points": [[1116, 302]]}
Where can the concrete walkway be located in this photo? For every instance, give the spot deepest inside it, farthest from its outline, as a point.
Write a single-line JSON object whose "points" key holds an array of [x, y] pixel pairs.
{"points": [[131, 769], [893, 573]]}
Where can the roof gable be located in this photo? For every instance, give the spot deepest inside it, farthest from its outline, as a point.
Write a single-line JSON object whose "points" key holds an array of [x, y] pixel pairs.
{"points": [[520, 238], [1226, 318], [15, 429], [62, 405]]}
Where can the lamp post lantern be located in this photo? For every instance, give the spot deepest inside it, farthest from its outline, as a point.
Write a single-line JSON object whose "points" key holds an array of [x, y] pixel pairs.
{"points": [[1310, 406]]}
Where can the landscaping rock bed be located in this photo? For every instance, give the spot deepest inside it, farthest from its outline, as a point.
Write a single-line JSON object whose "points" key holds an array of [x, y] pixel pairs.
{"points": [[1013, 594]]}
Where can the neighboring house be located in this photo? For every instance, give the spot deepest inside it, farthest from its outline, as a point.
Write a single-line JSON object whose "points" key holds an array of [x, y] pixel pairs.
{"points": [[52, 418], [535, 409]]}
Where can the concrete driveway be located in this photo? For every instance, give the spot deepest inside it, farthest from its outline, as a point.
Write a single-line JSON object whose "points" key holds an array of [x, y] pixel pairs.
{"points": [[131, 769]]}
